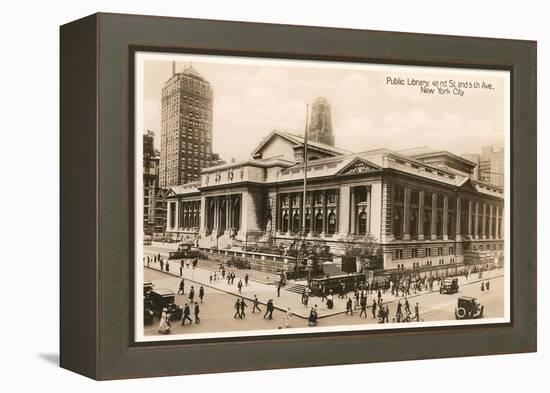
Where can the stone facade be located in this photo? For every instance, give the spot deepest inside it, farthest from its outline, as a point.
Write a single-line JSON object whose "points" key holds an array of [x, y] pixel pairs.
{"points": [[424, 215]]}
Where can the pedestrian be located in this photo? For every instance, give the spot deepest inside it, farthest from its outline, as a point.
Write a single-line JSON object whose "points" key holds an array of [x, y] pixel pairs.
{"points": [[201, 293], [363, 306], [243, 306], [197, 311], [232, 277], [330, 300], [387, 314], [313, 316], [246, 280], [288, 317], [487, 286], [186, 312], [148, 261], [269, 309], [181, 270], [191, 294], [210, 277], [407, 307], [373, 309], [161, 265], [323, 293], [240, 285], [223, 273], [303, 296], [182, 287], [417, 312], [279, 289], [237, 308], [167, 266], [215, 276], [379, 296], [255, 305], [164, 325], [482, 287], [349, 307]]}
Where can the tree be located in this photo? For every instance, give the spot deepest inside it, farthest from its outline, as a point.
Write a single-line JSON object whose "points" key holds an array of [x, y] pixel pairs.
{"points": [[367, 248]]}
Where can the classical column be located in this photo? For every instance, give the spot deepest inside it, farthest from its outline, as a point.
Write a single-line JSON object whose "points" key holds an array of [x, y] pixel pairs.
{"points": [[301, 213], [470, 218], [434, 217], [203, 214], [176, 216], [501, 227], [497, 226], [406, 214], [490, 222], [337, 211], [445, 217], [216, 213], [352, 212], [484, 222], [476, 222], [420, 215], [458, 227], [324, 211]]}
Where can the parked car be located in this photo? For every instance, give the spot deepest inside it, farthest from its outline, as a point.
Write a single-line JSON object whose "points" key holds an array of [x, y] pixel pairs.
{"points": [[147, 287], [164, 298], [468, 308], [450, 285]]}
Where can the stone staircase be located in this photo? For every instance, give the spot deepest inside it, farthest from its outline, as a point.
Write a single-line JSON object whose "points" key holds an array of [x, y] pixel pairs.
{"points": [[295, 287]]}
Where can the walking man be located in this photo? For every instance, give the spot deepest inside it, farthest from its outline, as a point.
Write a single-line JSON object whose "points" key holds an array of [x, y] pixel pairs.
{"points": [[210, 277], [186, 312], [279, 285], [182, 287], [243, 306], [197, 311], [269, 309], [288, 317], [373, 309], [349, 307], [237, 308], [246, 280], [255, 305], [417, 313], [201, 293], [240, 285], [363, 306], [407, 306], [191, 294]]}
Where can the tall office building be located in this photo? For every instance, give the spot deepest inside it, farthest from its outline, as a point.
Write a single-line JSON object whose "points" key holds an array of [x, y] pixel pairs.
{"points": [[186, 127], [320, 126], [491, 165], [150, 182]]}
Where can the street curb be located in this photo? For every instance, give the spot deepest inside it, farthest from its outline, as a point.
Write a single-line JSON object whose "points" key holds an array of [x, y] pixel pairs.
{"points": [[232, 293]]}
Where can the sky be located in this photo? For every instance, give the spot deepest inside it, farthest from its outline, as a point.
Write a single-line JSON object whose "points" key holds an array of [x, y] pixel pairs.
{"points": [[252, 97]]}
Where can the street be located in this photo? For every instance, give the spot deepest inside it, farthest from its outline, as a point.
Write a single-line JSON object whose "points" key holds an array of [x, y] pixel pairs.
{"points": [[217, 309]]}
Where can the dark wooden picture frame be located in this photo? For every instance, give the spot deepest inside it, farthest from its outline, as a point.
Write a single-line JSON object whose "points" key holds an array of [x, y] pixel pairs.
{"points": [[97, 241]]}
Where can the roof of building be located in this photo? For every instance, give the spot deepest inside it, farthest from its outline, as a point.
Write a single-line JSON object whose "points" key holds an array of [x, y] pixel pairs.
{"points": [[298, 141]]}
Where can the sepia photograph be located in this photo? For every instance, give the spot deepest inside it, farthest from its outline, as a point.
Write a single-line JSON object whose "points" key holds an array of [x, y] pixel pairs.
{"points": [[281, 196]]}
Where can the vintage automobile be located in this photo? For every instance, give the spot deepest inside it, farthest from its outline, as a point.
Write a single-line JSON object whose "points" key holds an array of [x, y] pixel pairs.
{"points": [[147, 287], [468, 308], [147, 240], [164, 298], [450, 285]]}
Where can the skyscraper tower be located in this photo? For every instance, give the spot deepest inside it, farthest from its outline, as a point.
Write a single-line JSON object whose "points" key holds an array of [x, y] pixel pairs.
{"points": [[186, 127], [320, 127]]}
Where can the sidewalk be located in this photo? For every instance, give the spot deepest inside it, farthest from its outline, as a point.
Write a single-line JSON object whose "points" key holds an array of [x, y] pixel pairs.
{"points": [[201, 276]]}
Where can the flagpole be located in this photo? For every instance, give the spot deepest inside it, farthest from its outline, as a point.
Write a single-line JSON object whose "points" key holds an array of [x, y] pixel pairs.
{"points": [[305, 175]]}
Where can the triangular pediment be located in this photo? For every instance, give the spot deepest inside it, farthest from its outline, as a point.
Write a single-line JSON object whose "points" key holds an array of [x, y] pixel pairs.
{"points": [[468, 185], [359, 166]]}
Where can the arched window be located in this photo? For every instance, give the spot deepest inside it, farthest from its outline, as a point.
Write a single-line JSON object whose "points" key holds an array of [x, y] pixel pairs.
{"points": [[318, 223], [397, 224], [427, 223], [413, 228], [362, 227], [296, 223], [285, 222], [331, 224], [439, 224], [308, 223]]}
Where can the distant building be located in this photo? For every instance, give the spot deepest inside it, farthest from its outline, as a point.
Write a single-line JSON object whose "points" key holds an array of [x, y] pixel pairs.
{"points": [[186, 127], [475, 159], [491, 165], [320, 126]]}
